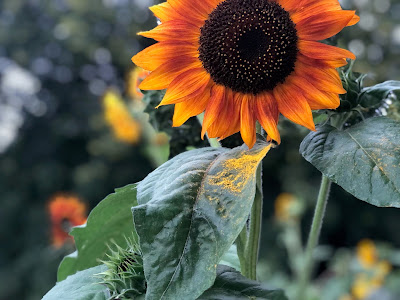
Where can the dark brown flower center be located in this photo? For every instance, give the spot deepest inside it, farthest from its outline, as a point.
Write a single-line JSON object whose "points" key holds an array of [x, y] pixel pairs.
{"points": [[248, 45]]}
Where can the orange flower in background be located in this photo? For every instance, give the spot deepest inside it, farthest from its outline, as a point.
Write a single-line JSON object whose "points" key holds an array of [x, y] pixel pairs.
{"points": [[65, 212], [135, 78], [243, 61], [117, 115]]}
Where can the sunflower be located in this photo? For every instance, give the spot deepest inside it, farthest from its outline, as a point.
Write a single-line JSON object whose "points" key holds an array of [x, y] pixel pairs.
{"points": [[125, 128], [243, 61], [65, 212]]}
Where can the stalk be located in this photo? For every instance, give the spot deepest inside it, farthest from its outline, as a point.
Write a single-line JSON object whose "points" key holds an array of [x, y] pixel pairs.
{"points": [[315, 231]]}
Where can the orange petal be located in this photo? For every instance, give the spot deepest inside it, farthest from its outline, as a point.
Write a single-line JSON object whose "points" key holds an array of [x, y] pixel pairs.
{"points": [[161, 77], [195, 12], [316, 7], [323, 25], [232, 115], [165, 12], [293, 105], [336, 63], [248, 120], [321, 51], [316, 98], [214, 107], [154, 56], [176, 30], [190, 107], [290, 5], [325, 79], [190, 83], [227, 118], [267, 113], [354, 21]]}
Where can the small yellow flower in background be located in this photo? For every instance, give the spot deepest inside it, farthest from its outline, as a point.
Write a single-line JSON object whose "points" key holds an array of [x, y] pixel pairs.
{"points": [[373, 273], [363, 286], [65, 212], [286, 207], [134, 79], [118, 117], [366, 253]]}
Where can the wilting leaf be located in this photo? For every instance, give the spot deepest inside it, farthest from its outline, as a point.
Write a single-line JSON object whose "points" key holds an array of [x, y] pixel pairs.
{"points": [[80, 286], [110, 221], [230, 284], [364, 159], [191, 210]]}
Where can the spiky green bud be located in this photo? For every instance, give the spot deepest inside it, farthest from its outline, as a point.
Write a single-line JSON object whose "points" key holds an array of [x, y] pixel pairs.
{"points": [[125, 276]]}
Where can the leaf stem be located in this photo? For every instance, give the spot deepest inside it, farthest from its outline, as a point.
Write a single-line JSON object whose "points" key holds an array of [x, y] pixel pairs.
{"points": [[213, 141], [315, 231]]}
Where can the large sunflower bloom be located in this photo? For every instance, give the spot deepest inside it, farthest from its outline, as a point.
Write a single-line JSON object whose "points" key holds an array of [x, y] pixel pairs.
{"points": [[246, 60]]}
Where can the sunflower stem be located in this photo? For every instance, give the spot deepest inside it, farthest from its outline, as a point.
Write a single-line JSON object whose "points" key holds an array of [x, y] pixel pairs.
{"points": [[255, 227], [305, 274], [213, 141], [248, 241]]}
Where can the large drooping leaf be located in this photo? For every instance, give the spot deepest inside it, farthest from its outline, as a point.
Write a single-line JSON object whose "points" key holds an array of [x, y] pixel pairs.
{"points": [[83, 285], [364, 159], [230, 284], [191, 209], [110, 221], [374, 95]]}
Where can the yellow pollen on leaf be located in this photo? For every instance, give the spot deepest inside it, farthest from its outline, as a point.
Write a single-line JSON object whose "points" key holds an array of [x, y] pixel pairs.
{"points": [[236, 172]]}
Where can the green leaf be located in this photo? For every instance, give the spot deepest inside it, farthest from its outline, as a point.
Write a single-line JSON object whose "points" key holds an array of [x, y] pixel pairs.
{"points": [[192, 209], [230, 284], [374, 95], [231, 258], [364, 159], [80, 286], [110, 221]]}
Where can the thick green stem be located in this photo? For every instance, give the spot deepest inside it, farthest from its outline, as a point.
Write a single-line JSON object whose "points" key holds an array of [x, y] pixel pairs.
{"points": [[255, 228], [248, 242], [213, 141], [315, 231]]}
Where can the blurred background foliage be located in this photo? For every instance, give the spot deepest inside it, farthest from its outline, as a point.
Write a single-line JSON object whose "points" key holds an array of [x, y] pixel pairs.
{"points": [[58, 58]]}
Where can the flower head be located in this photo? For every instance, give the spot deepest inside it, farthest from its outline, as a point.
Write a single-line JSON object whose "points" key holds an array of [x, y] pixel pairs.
{"points": [[243, 61], [65, 212], [117, 115]]}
